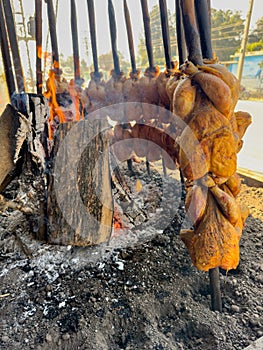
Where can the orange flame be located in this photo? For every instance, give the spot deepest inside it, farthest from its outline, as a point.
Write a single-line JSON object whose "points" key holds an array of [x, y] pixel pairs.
{"points": [[50, 94], [55, 85], [42, 54]]}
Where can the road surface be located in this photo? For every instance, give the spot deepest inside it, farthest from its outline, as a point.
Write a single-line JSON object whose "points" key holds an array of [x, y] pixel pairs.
{"points": [[251, 155]]}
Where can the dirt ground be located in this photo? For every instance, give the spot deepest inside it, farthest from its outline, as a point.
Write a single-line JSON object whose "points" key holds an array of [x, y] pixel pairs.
{"points": [[139, 291]]}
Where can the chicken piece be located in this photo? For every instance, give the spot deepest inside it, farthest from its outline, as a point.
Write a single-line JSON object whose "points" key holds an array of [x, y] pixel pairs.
{"points": [[207, 145], [114, 88], [215, 242], [243, 119], [96, 93], [133, 111], [149, 94], [223, 73], [164, 101], [171, 85], [170, 146], [234, 184], [184, 99], [140, 144], [123, 146], [227, 204], [223, 161], [162, 80], [242, 211], [195, 203], [210, 83]]}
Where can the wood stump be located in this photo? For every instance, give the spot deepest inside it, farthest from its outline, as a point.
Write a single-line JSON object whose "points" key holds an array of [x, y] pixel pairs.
{"points": [[9, 125], [80, 204]]}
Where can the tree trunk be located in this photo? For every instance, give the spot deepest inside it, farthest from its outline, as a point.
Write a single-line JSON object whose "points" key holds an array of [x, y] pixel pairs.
{"points": [[79, 204]]}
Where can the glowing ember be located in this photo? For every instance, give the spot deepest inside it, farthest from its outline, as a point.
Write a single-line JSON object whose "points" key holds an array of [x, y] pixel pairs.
{"points": [[117, 223]]}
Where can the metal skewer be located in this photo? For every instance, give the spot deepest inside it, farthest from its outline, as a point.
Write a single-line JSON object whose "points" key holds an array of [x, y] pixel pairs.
{"points": [[130, 37], [92, 26], [202, 14], [147, 31], [113, 36], [75, 42], [182, 51], [38, 19], [6, 55], [191, 32], [10, 24], [165, 33], [53, 32], [196, 56]]}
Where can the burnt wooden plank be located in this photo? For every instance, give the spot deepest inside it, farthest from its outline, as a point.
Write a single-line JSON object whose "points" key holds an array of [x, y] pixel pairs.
{"points": [[9, 125], [80, 205]]}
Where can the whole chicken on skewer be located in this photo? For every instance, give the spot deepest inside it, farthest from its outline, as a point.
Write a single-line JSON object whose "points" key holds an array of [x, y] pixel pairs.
{"points": [[207, 157]]}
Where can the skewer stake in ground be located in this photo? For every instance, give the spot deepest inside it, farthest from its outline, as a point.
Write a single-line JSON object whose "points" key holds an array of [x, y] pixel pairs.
{"points": [[147, 32], [6, 55], [75, 41], [182, 51], [216, 299], [92, 27], [195, 55], [149, 48], [202, 13], [53, 31], [38, 19], [10, 25], [113, 35], [191, 32], [130, 37], [165, 33]]}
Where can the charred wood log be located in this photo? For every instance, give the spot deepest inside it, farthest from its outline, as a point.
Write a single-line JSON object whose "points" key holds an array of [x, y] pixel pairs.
{"points": [[9, 126], [80, 205]]}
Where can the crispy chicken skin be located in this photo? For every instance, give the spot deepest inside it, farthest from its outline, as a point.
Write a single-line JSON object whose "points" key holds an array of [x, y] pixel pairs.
{"points": [[208, 159]]}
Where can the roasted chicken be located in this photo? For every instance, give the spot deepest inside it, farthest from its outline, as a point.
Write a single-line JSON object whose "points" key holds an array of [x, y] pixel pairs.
{"points": [[205, 100]]}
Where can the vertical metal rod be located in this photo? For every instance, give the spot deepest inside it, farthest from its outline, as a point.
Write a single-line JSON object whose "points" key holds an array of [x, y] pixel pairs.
{"points": [[191, 32], [53, 31], [92, 26], [205, 40], [147, 31], [209, 11], [10, 24], [27, 46], [182, 52], [38, 19], [130, 36], [216, 300], [165, 33], [113, 35], [202, 14], [10, 81], [75, 42]]}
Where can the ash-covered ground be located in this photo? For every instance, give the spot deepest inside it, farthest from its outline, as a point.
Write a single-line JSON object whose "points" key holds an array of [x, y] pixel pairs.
{"points": [[137, 291]]}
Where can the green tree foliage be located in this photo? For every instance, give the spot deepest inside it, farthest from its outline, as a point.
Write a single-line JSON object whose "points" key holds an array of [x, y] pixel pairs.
{"points": [[227, 30], [67, 65], [255, 39], [158, 50], [106, 62], [257, 34]]}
